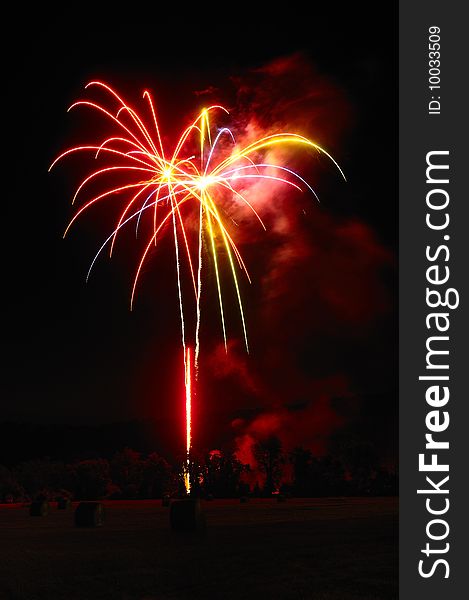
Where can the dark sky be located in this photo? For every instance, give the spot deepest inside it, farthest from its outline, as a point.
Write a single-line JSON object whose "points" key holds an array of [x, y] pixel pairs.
{"points": [[74, 352]]}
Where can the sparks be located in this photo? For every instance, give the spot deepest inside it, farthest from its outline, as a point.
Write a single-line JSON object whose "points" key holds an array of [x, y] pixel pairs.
{"points": [[206, 167]]}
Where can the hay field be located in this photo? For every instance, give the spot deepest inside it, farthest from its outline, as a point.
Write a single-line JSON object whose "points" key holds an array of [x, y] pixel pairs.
{"points": [[311, 549]]}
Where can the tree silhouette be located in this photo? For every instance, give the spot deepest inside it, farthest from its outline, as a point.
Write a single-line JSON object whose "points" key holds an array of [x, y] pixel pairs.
{"points": [[156, 477], [314, 476], [221, 474], [269, 456], [360, 461], [127, 472], [91, 478], [10, 489]]}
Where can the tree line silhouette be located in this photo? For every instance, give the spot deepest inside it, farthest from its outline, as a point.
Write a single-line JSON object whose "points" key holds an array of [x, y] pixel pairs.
{"points": [[351, 470]]}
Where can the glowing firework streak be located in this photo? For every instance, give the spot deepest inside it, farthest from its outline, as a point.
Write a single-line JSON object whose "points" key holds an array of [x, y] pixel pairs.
{"points": [[189, 186], [188, 383]]}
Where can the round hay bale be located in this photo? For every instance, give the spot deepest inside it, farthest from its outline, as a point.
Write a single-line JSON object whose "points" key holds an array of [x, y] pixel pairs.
{"points": [[89, 514], [187, 515], [63, 503], [39, 508], [244, 499], [281, 498], [166, 500]]}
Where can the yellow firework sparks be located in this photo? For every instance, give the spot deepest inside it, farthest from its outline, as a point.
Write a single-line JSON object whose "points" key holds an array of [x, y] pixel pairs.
{"points": [[201, 172]]}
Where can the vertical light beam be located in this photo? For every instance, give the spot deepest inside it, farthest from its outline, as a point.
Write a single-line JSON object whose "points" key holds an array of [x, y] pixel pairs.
{"points": [[188, 383]]}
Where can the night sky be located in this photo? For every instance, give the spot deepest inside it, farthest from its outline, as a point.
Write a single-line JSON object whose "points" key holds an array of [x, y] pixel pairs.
{"points": [[322, 309]]}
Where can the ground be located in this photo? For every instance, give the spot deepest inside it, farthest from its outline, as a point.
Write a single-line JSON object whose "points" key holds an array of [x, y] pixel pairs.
{"points": [[311, 549]]}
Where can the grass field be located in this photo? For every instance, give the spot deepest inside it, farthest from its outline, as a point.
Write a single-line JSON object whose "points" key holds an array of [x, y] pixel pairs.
{"points": [[311, 549]]}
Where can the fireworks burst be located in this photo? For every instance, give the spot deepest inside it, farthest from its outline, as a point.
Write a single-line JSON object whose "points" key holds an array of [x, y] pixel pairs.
{"points": [[191, 185]]}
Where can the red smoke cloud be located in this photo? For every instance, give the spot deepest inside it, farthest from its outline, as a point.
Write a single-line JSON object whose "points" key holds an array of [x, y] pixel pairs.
{"points": [[289, 93], [232, 363], [309, 426], [319, 291]]}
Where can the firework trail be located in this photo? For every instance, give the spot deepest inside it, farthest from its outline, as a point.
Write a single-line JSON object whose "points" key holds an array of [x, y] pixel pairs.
{"points": [[191, 185]]}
